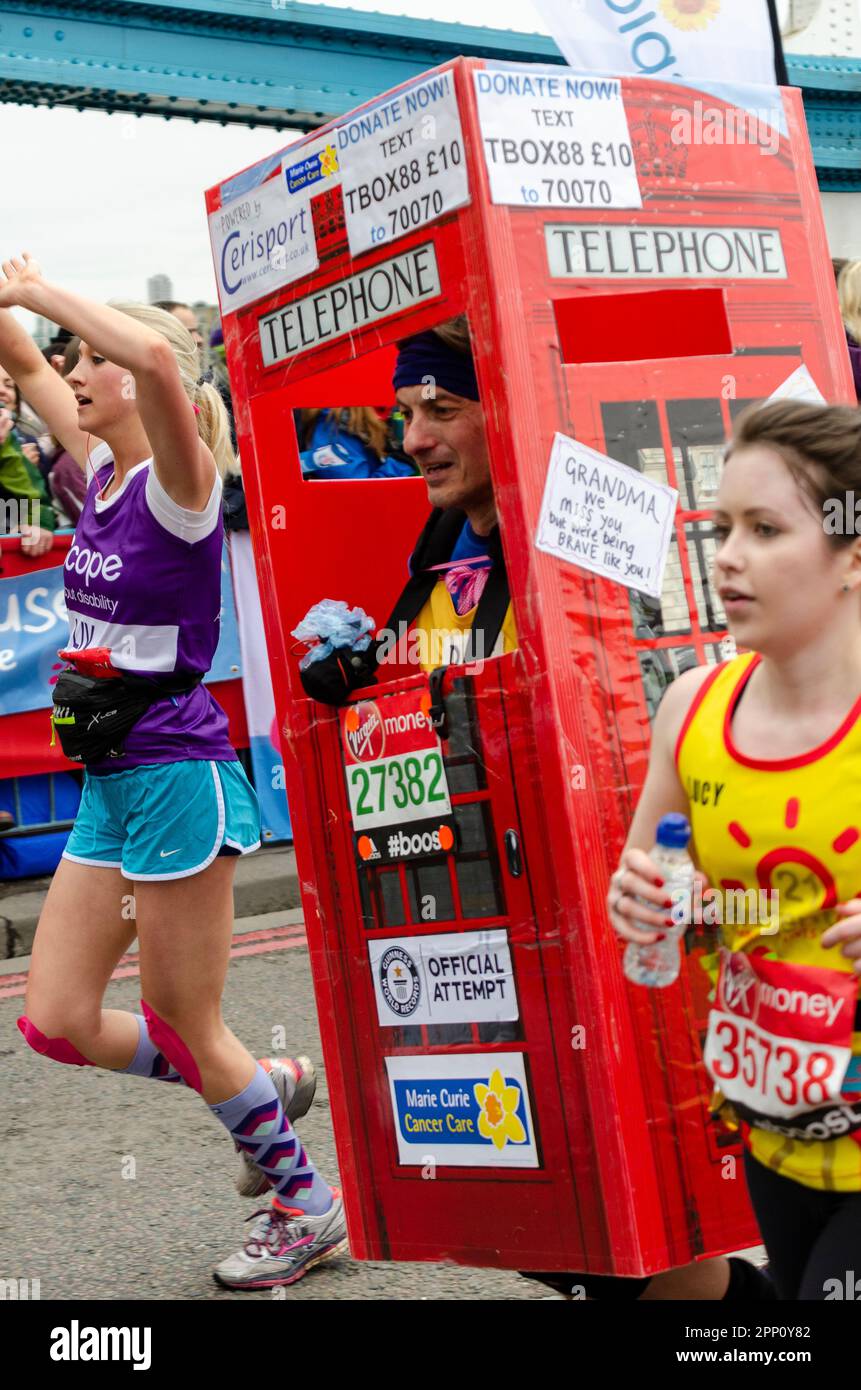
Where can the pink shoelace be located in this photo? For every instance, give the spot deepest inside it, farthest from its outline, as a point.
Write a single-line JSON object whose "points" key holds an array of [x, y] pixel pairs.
{"points": [[278, 1235]]}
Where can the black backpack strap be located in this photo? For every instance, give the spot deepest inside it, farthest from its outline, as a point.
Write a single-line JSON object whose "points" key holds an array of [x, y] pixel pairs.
{"points": [[489, 615], [433, 547]]}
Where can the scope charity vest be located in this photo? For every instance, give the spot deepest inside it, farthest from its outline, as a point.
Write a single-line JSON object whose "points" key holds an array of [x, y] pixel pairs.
{"points": [[143, 577]]}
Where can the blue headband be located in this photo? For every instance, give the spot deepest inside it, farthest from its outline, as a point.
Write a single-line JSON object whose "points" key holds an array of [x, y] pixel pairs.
{"points": [[426, 355]]}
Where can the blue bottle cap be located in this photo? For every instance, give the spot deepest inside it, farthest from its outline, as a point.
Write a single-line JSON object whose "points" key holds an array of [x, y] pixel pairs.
{"points": [[674, 831]]}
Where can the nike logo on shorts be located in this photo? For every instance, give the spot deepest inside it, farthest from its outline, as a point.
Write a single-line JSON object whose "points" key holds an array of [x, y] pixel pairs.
{"points": [[166, 853]]}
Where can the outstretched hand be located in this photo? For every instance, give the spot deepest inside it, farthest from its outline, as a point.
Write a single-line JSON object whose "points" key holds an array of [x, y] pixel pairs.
{"points": [[36, 540], [18, 275]]}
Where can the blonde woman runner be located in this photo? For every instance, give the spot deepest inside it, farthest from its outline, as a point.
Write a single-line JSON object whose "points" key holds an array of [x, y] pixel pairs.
{"points": [[168, 818]]}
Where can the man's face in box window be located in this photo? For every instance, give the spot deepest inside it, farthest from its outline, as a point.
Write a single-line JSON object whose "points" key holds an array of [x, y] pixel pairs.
{"points": [[445, 435]]}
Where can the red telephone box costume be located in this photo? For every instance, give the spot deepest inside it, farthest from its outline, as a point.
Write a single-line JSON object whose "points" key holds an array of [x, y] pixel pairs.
{"points": [[500, 1095]]}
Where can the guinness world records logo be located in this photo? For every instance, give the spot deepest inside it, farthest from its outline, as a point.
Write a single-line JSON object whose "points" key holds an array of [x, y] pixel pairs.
{"points": [[400, 982]]}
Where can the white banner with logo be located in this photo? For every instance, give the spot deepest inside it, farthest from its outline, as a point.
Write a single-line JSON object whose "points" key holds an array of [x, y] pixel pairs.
{"points": [[723, 40]]}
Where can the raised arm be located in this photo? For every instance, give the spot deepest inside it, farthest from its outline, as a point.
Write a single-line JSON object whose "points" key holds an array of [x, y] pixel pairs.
{"points": [[48, 394], [183, 464]]}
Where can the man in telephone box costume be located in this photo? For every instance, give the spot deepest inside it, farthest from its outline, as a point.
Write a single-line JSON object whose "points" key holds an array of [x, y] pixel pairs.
{"points": [[500, 1095]]}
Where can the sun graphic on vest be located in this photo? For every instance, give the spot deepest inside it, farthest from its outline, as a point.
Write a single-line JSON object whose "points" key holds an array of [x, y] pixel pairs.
{"points": [[804, 884], [690, 14]]}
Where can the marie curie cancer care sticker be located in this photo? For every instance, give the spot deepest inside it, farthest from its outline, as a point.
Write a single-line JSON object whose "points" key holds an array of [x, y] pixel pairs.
{"points": [[463, 1111], [399, 801], [311, 167]]}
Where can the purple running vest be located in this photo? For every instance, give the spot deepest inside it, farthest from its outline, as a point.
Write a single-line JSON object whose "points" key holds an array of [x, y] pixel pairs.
{"points": [[137, 583]]}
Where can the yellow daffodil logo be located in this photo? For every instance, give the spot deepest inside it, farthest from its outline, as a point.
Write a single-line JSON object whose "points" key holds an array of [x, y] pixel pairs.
{"points": [[690, 14], [498, 1120], [329, 161]]}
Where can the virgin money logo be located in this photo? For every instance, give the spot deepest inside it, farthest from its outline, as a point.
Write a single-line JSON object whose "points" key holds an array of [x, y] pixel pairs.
{"points": [[739, 986], [364, 732]]}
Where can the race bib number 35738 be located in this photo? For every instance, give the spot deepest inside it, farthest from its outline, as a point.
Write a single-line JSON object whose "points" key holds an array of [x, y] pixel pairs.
{"points": [[779, 1039]]}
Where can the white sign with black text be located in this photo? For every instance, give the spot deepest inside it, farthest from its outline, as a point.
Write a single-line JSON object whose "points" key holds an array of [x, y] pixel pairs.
{"points": [[373, 294], [693, 252], [261, 241], [402, 163], [458, 977], [556, 139], [606, 517]]}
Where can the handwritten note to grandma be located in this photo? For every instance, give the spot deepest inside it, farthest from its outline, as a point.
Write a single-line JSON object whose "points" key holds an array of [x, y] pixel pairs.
{"points": [[606, 517]]}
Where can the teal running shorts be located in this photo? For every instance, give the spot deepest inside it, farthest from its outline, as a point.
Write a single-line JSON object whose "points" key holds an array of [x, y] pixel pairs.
{"points": [[165, 820]]}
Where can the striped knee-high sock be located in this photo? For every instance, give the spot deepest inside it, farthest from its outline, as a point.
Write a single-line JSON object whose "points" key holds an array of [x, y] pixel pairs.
{"points": [[148, 1061], [259, 1127]]}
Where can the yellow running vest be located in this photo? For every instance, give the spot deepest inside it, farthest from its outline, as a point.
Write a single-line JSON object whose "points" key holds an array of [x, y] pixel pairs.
{"points": [[792, 825], [442, 633]]}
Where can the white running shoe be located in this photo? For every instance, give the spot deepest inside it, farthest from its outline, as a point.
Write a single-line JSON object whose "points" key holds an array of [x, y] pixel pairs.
{"points": [[295, 1081], [282, 1246]]}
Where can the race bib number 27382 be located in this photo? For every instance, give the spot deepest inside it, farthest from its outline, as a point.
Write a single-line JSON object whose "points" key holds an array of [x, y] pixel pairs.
{"points": [[396, 783]]}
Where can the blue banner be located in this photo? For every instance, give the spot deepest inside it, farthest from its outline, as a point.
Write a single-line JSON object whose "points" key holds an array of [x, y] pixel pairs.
{"points": [[34, 627], [268, 768]]}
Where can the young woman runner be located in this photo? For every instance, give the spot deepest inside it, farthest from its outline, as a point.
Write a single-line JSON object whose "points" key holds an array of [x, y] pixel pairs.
{"points": [[763, 754], [169, 816]]}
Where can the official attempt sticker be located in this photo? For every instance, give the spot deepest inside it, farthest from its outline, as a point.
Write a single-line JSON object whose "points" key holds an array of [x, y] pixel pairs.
{"points": [[396, 780], [452, 977], [555, 139]]}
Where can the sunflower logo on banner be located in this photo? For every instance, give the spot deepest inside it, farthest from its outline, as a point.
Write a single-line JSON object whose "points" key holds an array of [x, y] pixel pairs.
{"points": [[690, 14]]}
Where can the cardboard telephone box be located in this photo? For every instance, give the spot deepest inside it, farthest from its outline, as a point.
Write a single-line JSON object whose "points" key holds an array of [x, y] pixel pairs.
{"points": [[637, 261]]}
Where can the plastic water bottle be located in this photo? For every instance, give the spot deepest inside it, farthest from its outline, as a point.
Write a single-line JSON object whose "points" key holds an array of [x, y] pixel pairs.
{"points": [[658, 965]]}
